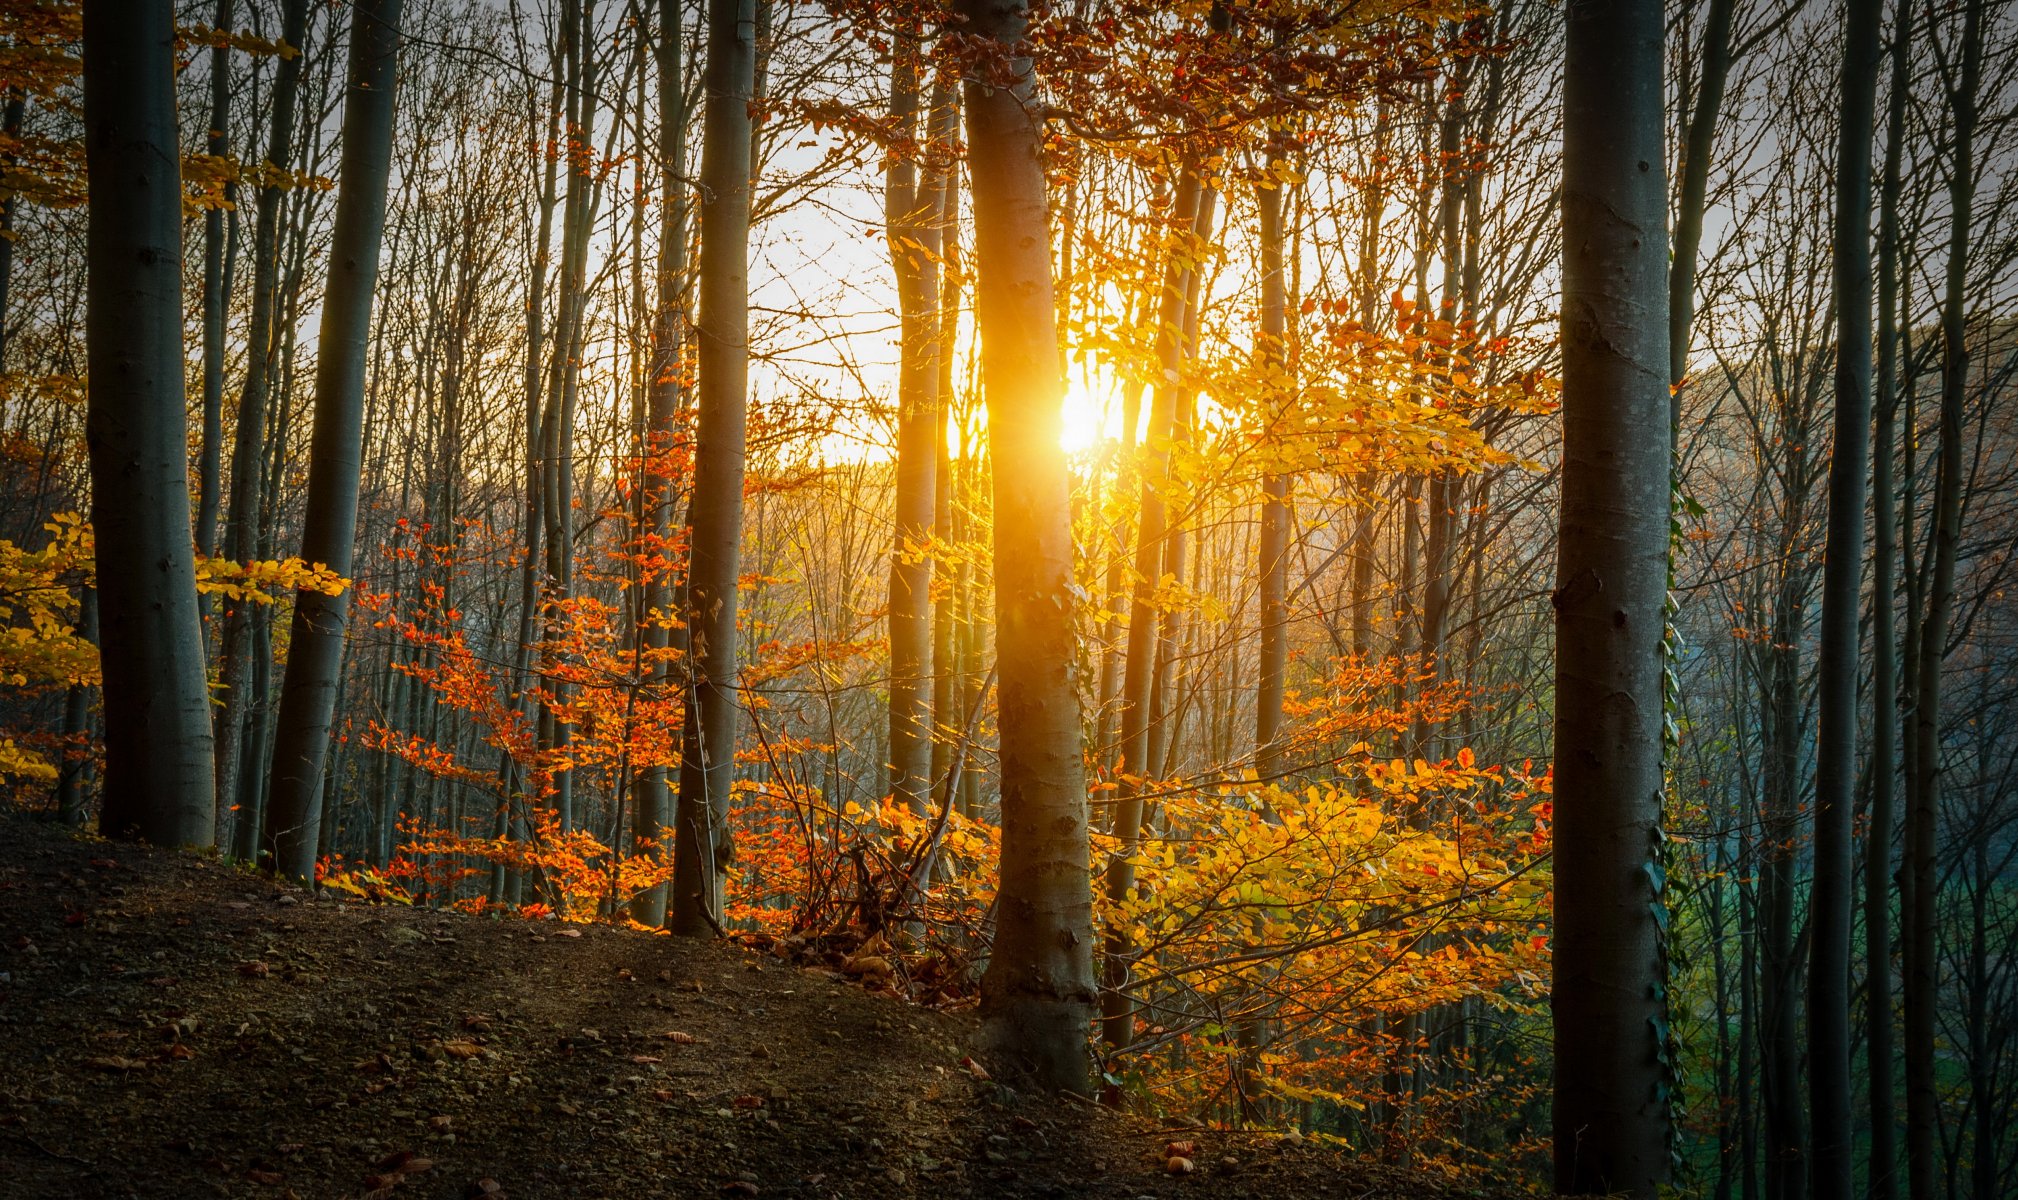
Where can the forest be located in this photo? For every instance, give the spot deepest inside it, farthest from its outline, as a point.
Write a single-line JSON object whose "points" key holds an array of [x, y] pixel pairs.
{"points": [[1395, 597]]}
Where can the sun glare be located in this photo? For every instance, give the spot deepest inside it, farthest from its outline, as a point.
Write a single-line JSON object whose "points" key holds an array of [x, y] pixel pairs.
{"points": [[1091, 411]]}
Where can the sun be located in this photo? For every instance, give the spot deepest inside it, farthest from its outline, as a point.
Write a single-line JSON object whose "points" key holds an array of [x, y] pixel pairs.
{"points": [[1091, 410]]}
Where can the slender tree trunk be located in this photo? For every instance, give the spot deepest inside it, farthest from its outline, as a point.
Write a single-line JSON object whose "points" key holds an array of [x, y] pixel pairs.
{"points": [[73, 785], [1882, 1172], [1699, 144], [1132, 762], [1273, 566], [329, 525], [946, 715], [914, 218], [1922, 929], [159, 775], [652, 799], [242, 519], [1038, 991], [1611, 1119], [216, 308], [703, 851], [1830, 900]]}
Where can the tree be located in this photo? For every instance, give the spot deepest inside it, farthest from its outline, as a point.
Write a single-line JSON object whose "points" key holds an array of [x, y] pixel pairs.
{"points": [[1611, 1106], [159, 781], [1878, 856], [329, 527], [1921, 918], [701, 849], [1830, 902], [1038, 992], [665, 396], [248, 452], [914, 218]]}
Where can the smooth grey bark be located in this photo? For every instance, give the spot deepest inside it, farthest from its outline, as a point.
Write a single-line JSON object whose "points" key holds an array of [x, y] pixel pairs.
{"points": [[563, 388], [1831, 895], [242, 516], [702, 848], [1922, 921], [1038, 991], [1881, 1171], [329, 525], [913, 201], [1611, 1113], [652, 808], [159, 776]]}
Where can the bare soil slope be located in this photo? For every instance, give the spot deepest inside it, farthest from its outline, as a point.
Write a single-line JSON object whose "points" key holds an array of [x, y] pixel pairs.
{"points": [[173, 1027]]}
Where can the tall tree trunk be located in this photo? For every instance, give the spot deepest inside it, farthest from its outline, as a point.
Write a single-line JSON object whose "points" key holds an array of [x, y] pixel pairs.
{"points": [[1882, 1172], [1830, 899], [1038, 991], [159, 780], [329, 525], [913, 220], [242, 518], [1132, 760], [947, 715], [1698, 144], [652, 801], [216, 308], [703, 851], [1922, 928], [584, 196], [1273, 351], [1611, 1116]]}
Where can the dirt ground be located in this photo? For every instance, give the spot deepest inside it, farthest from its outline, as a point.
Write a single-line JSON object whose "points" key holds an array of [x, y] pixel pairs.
{"points": [[173, 1027]]}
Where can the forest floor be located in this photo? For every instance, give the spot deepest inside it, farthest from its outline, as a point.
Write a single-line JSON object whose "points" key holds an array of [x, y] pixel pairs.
{"points": [[170, 1026]]}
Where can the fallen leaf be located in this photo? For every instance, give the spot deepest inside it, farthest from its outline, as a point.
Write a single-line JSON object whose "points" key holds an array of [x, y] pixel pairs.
{"points": [[974, 1068], [568, 933], [254, 969], [1180, 1166], [643, 1059], [270, 1178], [115, 1062], [459, 1048], [680, 1038], [1181, 1150]]}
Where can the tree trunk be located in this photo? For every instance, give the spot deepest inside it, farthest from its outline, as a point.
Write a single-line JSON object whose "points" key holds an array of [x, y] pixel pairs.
{"points": [[1882, 1172], [216, 308], [159, 775], [651, 801], [1830, 898], [329, 525], [1611, 1077], [702, 851], [1922, 929], [1698, 145], [1273, 351], [1038, 992], [914, 218], [1132, 760], [242, 518]]}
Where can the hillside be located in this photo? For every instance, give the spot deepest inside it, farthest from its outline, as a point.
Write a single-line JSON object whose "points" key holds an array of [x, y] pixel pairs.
{"points": [[178, 1028]]}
